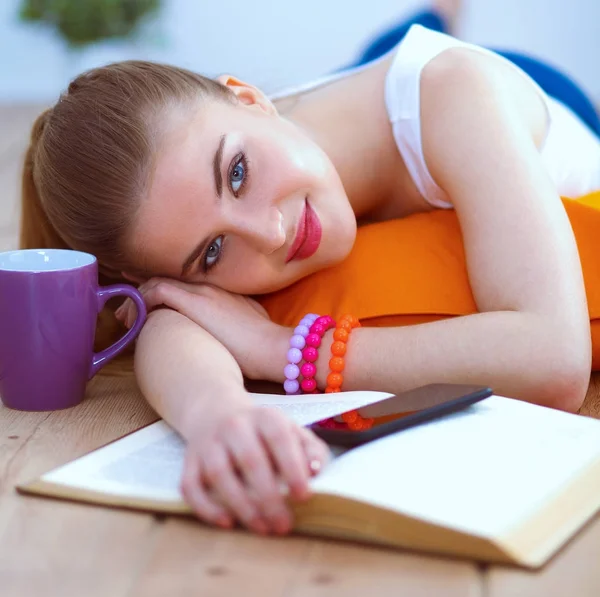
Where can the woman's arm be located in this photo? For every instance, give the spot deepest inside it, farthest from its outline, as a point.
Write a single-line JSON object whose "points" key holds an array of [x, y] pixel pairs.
{"points": [[518, 354], [531, 338], [237, 453], [184, 373]]}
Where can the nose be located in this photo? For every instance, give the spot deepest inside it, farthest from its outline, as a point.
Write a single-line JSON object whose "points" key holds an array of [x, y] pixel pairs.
{"points": [[261, 227]]}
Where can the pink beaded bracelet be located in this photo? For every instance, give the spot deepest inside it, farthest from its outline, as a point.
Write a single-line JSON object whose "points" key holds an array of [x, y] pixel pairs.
{"points": [[291, 385], [311, 352]]}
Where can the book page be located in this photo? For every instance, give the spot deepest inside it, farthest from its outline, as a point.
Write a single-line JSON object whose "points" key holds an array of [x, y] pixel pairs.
{"points": [[310, 408], [481, 470], [148, 464]]}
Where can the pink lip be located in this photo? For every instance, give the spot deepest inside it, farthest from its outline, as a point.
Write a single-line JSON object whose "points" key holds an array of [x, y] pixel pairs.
{"points": [[308, 235]]}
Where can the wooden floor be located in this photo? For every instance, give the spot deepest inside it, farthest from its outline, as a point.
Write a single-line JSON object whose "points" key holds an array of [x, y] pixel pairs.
{"points": [[57, 548]]}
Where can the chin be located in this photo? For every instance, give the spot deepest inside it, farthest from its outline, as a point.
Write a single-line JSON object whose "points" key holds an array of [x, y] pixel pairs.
{"points": [[337, 253]]}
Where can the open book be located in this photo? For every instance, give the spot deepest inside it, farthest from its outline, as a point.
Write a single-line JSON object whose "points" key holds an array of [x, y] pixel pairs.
{"points": [[501, 481]]}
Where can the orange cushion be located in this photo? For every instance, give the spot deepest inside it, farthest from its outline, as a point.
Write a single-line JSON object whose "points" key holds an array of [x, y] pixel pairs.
{"points": [[413, 270]]}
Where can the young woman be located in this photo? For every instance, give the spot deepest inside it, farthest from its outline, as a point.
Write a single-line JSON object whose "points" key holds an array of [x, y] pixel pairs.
{"points": [[208, 192]]}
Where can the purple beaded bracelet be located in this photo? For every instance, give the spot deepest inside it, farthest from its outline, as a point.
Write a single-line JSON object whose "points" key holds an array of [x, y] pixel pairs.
{"points": [[291, 385]]}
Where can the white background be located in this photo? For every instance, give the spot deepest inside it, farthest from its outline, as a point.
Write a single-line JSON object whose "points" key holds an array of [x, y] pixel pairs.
{"points": [[275, 43]]}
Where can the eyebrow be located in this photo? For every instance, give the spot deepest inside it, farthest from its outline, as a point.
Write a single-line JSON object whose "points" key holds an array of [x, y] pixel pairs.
{"points": [[201, 246], [217, 166]]}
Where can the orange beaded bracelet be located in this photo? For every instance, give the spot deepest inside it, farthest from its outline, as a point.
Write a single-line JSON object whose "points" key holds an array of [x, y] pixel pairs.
{"points": [[335, 379]]}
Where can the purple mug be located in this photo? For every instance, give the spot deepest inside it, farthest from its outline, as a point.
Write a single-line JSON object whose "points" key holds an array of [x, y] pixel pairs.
{"points": [[49, 303]]}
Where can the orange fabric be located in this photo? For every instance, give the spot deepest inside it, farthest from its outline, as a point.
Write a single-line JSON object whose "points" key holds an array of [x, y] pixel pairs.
{"points": [[413, 270]]}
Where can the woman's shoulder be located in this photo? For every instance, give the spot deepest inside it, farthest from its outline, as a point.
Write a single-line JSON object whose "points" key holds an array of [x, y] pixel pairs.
{"points": [[416, 52]]}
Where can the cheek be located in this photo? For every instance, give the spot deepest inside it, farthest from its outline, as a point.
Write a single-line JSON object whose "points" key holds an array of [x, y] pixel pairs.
{"points": [[339, 226], [239, 269], [247, 272], [253, 279], [287, 169]]}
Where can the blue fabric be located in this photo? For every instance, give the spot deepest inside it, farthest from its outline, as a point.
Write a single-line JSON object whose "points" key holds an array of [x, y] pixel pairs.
{"points": [[554, 82], [558, 85], [389, 39]]}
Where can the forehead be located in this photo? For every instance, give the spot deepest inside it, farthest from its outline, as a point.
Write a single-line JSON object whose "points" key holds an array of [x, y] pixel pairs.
{"points": [[187, 144], [180, 185]]}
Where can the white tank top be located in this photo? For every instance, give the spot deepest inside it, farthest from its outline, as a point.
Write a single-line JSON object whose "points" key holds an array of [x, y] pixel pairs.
{"points": [[570, 152]]}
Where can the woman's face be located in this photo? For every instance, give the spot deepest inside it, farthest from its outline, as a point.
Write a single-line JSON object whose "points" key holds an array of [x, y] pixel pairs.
{"points": [[242, 199]]}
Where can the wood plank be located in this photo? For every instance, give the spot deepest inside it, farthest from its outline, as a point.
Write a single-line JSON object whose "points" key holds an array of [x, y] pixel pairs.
{"points": [[58, 548], [50, 547], [189, 558], [574, 571], [355, 571]]}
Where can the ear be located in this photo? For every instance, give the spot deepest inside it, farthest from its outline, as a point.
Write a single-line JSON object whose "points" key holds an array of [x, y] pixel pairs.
{"points": [[247, 94]]}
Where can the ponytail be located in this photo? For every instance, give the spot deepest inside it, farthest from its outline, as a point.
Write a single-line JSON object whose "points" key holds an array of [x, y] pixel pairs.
{"points": [[37, 232]]}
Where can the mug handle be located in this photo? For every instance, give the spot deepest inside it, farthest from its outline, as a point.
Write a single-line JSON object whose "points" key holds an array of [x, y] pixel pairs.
{"points": [[104, 293]]}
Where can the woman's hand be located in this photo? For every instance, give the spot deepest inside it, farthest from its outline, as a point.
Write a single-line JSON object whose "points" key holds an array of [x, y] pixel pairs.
{"points": [[238, 463], [239, 455], [238, 322]]}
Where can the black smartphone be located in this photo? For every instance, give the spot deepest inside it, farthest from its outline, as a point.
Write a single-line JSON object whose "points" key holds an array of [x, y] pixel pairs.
{"points": [[405, 410]]}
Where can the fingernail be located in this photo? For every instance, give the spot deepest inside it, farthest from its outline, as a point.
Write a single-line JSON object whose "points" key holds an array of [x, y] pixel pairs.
{"points": [[315, 466]]}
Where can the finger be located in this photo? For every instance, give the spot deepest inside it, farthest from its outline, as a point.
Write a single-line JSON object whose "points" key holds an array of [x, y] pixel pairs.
{"points": [[131, 314], [159, 292], [316, 451], [187, 286], [219, 475], [253, 462], [285, 449], [195, 495], [173, 296], [127, 312], [155, 294], [122, 309]]}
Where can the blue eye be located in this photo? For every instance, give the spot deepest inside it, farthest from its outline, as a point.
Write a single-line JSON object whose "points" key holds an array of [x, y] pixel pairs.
{"points": [[238, 174], [213, 253]]}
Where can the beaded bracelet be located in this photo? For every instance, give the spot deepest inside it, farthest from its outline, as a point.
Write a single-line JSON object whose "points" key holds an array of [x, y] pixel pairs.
{"points": [[311, 352], [291, 385], [335, 379]]}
